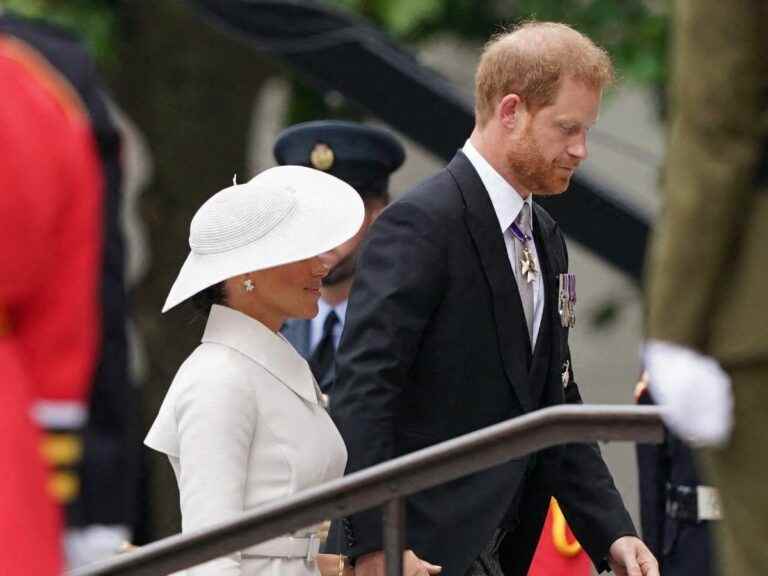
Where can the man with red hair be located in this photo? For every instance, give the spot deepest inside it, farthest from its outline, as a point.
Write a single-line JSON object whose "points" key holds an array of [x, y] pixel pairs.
{"points": [[459, 319]]}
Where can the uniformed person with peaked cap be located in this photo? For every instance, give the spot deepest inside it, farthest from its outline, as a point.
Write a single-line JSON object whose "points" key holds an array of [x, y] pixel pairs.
{"points": [[364, 157]]}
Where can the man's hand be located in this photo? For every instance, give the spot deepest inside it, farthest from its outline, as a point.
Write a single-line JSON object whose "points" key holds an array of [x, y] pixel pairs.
{"points": [[694, 392], [373, 565], [629, 556]]}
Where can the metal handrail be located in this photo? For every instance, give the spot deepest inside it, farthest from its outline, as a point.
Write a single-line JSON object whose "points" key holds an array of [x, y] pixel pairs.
{"points": [[389, 482]]}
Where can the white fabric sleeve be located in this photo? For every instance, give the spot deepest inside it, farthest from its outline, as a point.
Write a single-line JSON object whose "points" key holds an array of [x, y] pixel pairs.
{"points": [[216, 417], [693, 390]]}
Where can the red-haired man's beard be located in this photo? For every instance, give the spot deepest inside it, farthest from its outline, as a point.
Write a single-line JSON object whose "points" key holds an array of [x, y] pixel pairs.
{"points": [[536, 173]]}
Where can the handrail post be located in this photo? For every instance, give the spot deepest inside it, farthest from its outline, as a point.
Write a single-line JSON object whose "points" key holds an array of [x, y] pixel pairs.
{"points": [[394, 536]]}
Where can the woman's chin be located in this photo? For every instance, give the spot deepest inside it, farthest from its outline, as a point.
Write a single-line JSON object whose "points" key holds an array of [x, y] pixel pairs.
{"points": [[310, 311]]}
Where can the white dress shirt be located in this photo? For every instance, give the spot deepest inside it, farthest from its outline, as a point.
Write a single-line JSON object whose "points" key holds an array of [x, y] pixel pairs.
{"points": [[242, 425], [507, 204], [316, 324]]}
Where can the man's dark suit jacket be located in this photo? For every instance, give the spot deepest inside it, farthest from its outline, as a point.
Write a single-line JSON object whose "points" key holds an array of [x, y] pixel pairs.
{"points": [[435, 346]]}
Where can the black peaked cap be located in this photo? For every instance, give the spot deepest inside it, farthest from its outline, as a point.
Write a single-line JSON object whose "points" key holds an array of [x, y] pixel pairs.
{"points": [[362, 156]]}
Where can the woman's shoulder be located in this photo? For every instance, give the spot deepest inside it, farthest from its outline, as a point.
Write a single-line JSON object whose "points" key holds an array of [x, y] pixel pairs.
{"points": [[216, 383], [213, 356], [214, 388], [217, 369]]}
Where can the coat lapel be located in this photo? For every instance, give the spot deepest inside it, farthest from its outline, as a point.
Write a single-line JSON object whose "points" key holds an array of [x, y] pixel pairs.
{"points": [[550, 247], [550, 257], [272, 351], [483, 226], [553, 262]]}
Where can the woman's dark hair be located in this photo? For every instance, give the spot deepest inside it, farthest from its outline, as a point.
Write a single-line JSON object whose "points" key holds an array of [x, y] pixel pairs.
{"points": [[203, 300]]}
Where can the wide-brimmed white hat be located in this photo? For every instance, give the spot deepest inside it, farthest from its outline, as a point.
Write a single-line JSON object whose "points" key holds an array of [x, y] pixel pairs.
{"points": [[285, 214]]}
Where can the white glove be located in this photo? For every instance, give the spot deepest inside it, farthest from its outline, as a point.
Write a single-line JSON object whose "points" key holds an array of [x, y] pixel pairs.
{"points": [[95, 542], [693, 390]]}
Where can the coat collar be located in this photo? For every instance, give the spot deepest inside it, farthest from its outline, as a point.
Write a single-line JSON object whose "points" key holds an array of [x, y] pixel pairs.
{"points": [[272, 351], [489, 242], [506, 202]]}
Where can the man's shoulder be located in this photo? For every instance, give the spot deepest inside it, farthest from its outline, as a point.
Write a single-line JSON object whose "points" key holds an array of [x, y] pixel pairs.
{"points": [[549, 226], [438, 195], [431, 208]]}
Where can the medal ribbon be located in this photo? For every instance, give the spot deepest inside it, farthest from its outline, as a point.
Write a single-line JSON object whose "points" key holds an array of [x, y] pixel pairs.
{"points": [[519, 234]]}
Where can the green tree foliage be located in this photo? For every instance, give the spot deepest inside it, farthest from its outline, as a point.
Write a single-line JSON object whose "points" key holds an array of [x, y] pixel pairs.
{"points": [[633, 31], [93, 20]]}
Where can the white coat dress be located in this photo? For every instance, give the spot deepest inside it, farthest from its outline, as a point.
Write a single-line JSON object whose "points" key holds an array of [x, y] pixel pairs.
{"points": [[243, 424]]}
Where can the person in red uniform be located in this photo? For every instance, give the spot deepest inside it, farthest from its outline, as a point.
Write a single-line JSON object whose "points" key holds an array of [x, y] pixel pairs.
{"points": [[50, 249]]}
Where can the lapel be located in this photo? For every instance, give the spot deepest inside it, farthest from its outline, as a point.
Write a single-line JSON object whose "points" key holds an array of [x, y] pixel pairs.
{"points": [[549, 246], [550, 256], [272, 351], [483, 227], [549, 346], [546, 341]]}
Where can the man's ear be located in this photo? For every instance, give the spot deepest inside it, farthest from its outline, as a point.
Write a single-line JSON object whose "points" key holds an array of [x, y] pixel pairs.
{"points": [[509, 110]]}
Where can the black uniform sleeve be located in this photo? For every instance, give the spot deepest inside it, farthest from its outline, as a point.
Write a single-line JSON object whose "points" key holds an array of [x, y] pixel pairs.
{"points": [[652, 471]]}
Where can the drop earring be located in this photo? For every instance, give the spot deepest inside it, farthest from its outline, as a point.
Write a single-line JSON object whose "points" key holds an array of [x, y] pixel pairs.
{"points": [[248, 285]]}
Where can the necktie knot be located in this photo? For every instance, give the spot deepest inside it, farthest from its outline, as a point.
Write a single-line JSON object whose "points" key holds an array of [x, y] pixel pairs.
{"points": [[523, 220], [321, 361]]}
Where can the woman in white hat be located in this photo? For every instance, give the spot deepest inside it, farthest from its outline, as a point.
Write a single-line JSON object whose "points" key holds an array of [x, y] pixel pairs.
{"points": [[243, 421]]}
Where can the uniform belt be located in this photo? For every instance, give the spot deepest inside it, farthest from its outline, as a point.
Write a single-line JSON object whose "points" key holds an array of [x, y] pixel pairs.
{"points": [[693, 503], [306, 547]]}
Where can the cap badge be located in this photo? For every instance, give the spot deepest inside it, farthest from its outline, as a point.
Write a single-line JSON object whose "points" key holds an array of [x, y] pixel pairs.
{"points": [[322, 157]]}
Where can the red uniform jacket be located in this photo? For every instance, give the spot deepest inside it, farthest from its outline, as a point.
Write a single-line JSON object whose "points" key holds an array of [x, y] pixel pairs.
{"points": [[50, 246]]}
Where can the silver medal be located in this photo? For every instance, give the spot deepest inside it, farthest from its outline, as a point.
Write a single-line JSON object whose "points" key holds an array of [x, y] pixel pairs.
{"points": [[565, 376]]}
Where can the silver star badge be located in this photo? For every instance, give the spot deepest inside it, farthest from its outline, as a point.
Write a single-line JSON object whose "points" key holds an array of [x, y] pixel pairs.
{"points": [[528, 266], [565, 377]]}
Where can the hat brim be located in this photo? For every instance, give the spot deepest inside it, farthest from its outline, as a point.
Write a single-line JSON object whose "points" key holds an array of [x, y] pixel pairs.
{"points": [[327, 213]]}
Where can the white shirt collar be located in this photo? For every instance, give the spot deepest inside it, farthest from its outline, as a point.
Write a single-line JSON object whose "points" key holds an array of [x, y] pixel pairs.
{"points": [[506, 202], [269, 349], [316, 324]]}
